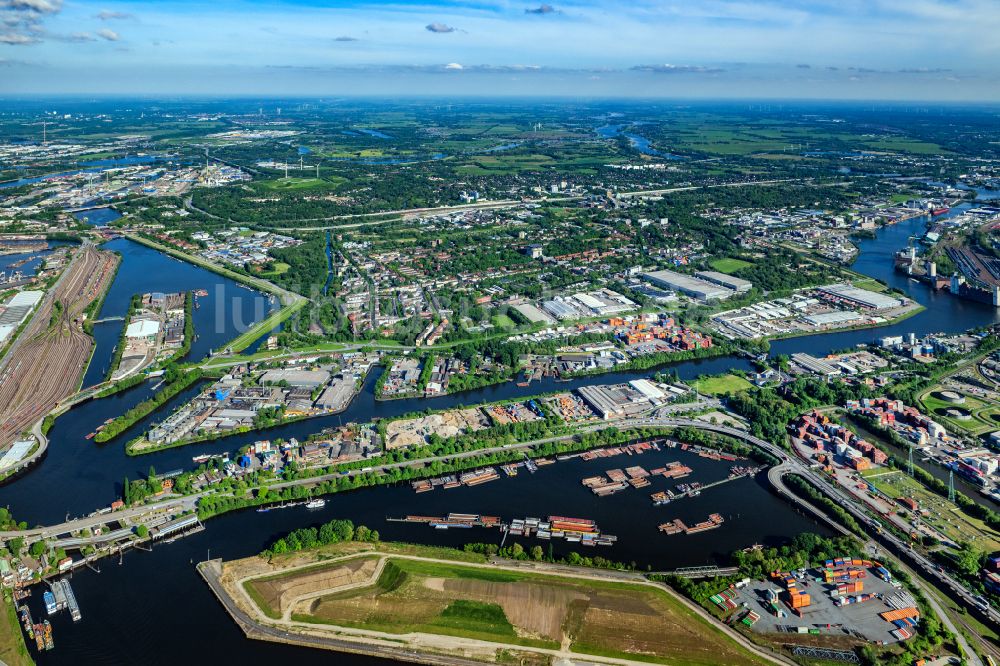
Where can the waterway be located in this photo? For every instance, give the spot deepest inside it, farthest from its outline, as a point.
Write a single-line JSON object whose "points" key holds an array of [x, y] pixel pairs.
{"points": [[98, 216], [157, 598], [943, 312], [639, 143], [176, 603]]}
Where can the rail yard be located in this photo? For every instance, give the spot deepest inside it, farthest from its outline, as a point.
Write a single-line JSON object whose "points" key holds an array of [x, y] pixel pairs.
{"points": [[46, 363]]}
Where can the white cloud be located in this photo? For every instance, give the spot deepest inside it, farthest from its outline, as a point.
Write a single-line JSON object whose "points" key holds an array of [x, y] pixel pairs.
{"points": [[110, 35], [439, 27], [109, 15]]}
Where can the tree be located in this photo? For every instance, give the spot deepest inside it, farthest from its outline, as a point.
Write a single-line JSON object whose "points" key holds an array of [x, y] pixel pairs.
{"points": [[142, 531], [37, 549], [968, 558], [536, 553]]}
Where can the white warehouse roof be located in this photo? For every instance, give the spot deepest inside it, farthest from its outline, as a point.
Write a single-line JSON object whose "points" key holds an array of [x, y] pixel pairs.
{"points": [[143, 328]]}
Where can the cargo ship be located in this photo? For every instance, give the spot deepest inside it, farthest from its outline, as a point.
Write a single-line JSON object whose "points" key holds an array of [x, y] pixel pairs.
{"points": [[459, 520], [940, 211]]}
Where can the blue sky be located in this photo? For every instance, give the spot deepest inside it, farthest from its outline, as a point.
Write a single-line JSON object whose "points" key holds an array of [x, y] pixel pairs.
{"points": [[852, 49]]}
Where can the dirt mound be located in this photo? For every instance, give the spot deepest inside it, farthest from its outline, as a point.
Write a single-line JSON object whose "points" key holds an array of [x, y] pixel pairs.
{"points": [[280, 592]]}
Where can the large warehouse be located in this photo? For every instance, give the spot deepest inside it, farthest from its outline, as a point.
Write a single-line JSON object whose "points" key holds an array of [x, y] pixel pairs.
{"points": [[703, 290], [846, 293], [728, 281]]}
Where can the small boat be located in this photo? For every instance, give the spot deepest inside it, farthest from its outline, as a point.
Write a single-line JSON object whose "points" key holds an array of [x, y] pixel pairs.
{"points": [[263, 509], [316, 504], [204, 457]]}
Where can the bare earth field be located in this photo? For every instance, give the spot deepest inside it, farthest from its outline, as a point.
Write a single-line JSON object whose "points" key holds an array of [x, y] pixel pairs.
{"points": [[448, 606]]}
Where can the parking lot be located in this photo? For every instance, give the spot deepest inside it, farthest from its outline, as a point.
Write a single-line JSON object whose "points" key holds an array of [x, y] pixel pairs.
{"points": [[860, 620]]}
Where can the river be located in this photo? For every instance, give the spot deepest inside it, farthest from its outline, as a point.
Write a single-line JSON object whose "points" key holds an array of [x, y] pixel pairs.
{"points": [[157, 599]]}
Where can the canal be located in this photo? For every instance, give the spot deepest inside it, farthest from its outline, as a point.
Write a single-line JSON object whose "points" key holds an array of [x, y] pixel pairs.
{"points": [[156, 599]]}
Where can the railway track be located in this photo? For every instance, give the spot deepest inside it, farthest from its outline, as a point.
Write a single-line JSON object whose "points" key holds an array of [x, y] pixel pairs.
{"points": [[47, 365]]}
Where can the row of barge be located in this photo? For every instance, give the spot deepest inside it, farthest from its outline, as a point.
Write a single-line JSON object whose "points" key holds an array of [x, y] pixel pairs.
{"points": [[573, 530], [60, 597]]}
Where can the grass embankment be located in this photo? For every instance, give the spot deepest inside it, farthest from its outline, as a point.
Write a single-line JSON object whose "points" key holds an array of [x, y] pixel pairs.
{"points": [[13, 651], [520, 608], [116, 358], [147, 407], [269, 323]]}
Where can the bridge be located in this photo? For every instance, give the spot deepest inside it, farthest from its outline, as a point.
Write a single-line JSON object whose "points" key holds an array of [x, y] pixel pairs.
{"points": [[700, 572], [104, 320]]}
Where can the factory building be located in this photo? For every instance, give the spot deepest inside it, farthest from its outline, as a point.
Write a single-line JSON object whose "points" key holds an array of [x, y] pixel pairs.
{"points": [[143, 329], [813, 364], [696, 288], [727, 281], [846, 293]]}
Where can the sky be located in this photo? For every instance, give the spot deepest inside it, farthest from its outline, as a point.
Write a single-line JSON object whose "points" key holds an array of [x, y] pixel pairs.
{"points": [[930, 50]]}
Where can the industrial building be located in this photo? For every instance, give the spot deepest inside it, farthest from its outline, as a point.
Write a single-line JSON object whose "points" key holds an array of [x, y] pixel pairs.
{"points": [[835, 318], [813, 364], [143, 328], [16, 310], [738, 285], [846, 293], [702, 290], [309, 379], [618, 401], [533, 314]]}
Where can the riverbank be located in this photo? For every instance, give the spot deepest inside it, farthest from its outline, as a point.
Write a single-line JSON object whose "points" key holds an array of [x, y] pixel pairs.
{"points": [[13, 650]]}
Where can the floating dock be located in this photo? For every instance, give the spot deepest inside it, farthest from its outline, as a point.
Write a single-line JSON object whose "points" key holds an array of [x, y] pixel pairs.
{"points": [[677, 526]]}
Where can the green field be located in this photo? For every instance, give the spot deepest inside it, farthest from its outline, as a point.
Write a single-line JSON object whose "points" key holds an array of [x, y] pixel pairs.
{"points": [[518, 608], [728, 264], [503, 321], [870, 284], [295, 183], [722, 384]]}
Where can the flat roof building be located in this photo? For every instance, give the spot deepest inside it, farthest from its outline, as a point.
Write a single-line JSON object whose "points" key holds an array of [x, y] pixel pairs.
{"points": [[832, 318], [728, 281], [300, 378], [144, 328], [813, 364], [702, 290], [861, 297]]}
